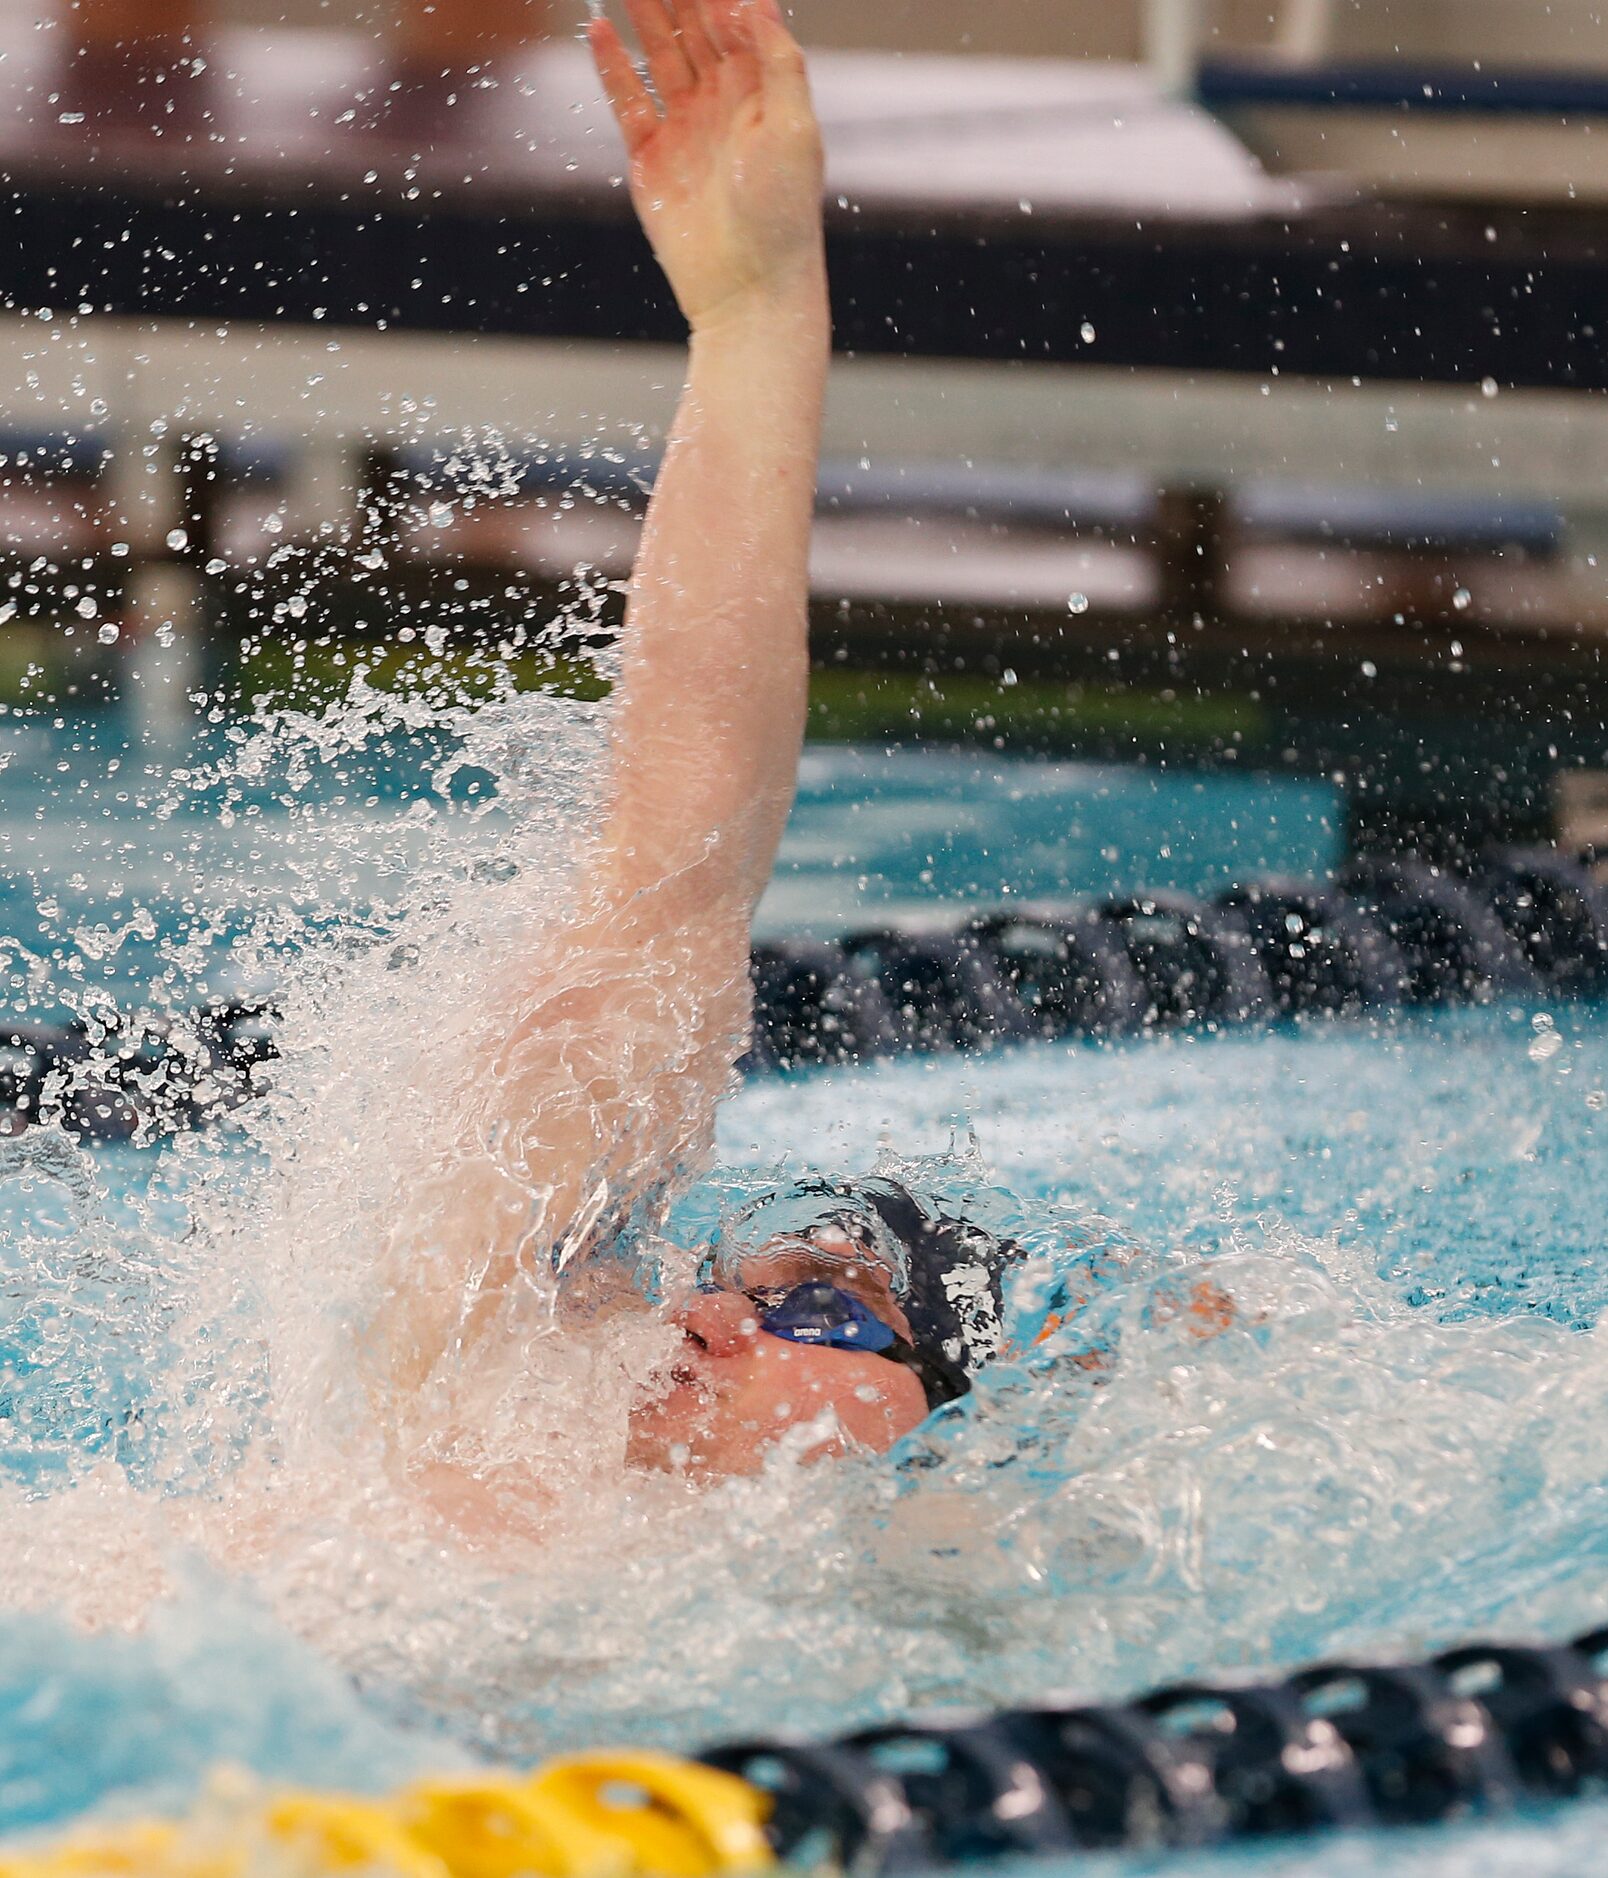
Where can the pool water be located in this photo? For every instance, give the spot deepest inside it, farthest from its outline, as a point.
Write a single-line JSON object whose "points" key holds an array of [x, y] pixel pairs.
{"points": [[112, 845], [1400, 1442]]}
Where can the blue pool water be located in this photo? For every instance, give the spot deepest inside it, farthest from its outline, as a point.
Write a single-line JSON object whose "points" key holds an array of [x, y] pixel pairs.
{"points": [[1401, 1442], [94, 890]]}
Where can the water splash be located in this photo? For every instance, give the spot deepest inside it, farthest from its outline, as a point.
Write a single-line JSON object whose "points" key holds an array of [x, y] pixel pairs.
{"points": [[1356, 1462]]}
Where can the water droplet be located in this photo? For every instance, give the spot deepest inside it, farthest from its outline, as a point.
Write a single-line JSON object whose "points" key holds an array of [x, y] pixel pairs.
{"points": [[1077, 603], [1086, 332], [1462, 599], [108, 634], [87, 609], [177, 540]]}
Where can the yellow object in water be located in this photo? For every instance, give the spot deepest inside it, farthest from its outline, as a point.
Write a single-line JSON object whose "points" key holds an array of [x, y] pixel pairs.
{"points": [[680, 1819], [500, 1827], [625, 1815], [332, 1833], [296, 1836], [145, 1850]]}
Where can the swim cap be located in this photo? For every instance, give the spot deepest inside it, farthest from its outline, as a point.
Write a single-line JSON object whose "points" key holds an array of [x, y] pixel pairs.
{"points": [[947, 1273], [955, 1294]]}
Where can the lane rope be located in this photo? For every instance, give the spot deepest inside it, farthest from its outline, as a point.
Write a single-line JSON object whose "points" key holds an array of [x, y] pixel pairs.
{"points": [[1340, 1746], [1386, 935]]}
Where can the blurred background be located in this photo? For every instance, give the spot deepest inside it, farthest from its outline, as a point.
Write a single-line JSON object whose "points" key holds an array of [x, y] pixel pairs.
{"points": [[1220, 383], [1080, 29]]}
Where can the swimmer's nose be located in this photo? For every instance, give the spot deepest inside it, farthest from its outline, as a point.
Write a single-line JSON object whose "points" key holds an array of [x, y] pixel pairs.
{"points": [[724, 1322]]}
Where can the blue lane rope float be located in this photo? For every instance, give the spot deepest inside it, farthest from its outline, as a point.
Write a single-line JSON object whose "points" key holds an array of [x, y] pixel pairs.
{"points": [[1343, 1747], [1388, 934]]}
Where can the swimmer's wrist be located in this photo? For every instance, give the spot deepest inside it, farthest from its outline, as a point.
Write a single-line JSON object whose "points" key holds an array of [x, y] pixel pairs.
{"points": [[790, 304]]}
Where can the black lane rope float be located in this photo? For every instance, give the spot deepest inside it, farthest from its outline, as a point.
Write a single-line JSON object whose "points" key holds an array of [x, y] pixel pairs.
{"points": [[1387, 934], [125, 1078], [1470, 1732]]}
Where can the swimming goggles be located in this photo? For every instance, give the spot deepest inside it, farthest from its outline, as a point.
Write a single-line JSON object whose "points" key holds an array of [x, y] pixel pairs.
{"points": [[820, 1313]]}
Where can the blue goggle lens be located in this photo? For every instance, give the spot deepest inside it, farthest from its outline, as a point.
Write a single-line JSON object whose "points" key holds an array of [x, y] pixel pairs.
{"points": [[821, 1314]]}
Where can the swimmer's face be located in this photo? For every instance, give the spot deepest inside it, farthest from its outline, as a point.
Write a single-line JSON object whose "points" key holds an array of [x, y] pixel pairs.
{"points": [[735, 1391]]}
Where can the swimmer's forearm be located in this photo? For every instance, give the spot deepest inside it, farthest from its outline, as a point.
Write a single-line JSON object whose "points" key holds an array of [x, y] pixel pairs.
{"points": [[712, 694]]}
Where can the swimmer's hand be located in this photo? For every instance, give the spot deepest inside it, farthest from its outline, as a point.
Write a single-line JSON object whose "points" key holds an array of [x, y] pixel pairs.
{"points": [[725, 152]]}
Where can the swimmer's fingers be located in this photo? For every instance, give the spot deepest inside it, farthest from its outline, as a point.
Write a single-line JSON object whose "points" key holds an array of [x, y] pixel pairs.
{"points": [[733, 23], [697, 43], [779, 52], [633, 107], [667, 63]]}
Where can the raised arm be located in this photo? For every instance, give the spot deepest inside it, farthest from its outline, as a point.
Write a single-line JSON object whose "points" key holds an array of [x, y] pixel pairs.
{"points": [[726, 177], [612, 1041]]}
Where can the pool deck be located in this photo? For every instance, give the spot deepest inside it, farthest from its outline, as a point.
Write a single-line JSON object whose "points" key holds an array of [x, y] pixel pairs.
{"points": [[985, 209], [1041, 269]]}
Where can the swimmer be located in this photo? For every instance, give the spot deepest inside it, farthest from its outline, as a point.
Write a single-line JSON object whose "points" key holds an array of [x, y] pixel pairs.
{"points": [[816, 1291], [630, 1021], [858, 1318]]}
